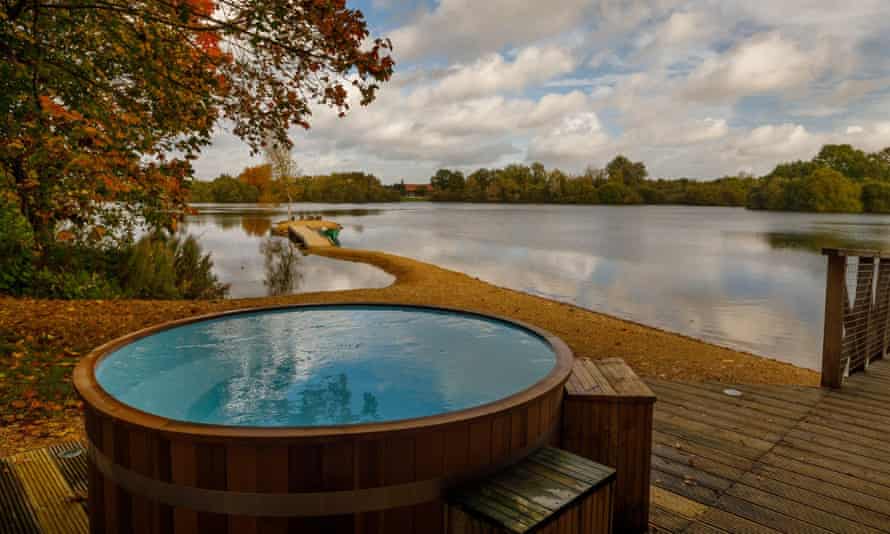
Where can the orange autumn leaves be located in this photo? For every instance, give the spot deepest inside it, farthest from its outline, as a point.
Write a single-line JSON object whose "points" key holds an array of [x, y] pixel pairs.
{"points": [[109, 103], [58, 111]]}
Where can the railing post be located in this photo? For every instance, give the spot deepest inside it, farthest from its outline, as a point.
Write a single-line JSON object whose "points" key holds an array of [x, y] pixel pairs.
{"points": [[832, 374]]}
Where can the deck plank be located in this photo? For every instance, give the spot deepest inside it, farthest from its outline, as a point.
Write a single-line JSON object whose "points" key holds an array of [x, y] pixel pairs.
{"points": [[775, 459], [701, 451], [53, 502], [814, 476], [779, 486]]}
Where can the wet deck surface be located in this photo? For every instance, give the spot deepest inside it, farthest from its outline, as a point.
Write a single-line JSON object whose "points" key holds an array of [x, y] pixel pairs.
{"points": [[44, 490], [775, 459]]}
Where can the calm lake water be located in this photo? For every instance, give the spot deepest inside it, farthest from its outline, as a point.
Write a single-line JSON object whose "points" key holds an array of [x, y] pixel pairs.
{"points": [[749, 280]]}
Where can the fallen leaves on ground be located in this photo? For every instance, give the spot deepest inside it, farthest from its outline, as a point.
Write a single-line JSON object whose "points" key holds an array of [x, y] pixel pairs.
{"points": [[42, 340]]}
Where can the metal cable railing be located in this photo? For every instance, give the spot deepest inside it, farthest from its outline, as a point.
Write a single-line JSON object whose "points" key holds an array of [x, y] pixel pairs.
{"points": [[857, 312]]}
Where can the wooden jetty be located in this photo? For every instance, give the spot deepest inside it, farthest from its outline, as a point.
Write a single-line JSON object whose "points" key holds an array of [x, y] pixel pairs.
{"points": [[309, 232], [775, 459]]}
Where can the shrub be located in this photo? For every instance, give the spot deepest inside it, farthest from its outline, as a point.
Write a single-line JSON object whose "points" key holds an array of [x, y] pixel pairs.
{"points": [[769, 195], [149, 270], [80, 284], [16, 248], [650, 195], [170, 268], [194, 271], [876, 197], [617, 193]]}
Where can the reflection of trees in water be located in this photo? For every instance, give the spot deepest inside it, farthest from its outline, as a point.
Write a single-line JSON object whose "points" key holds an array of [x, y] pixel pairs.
{"points": [[326, 401], [225, 221], [816, 241], [329, 403], [256, 226], [282, 265], [351, 212]]}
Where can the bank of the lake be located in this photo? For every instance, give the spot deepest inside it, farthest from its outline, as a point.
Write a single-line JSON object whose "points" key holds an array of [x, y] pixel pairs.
{"points": [[53, 334]]}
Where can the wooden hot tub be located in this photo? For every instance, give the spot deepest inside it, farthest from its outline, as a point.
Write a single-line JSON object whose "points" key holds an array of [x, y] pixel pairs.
{"points": [[151, 473]]}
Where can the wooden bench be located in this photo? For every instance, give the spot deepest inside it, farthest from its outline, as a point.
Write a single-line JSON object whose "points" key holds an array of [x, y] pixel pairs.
{"points": [[607, 417], [549, 492]]}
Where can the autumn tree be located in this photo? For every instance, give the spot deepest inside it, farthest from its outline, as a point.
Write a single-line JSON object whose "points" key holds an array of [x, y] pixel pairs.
{"points": [[106, 103], [259, 176]]}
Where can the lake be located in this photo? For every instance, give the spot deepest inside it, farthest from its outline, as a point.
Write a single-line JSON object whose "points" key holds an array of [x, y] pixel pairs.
{"points": [[753, 281]]}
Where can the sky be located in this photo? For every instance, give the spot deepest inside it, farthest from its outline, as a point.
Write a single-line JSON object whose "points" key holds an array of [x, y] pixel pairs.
{"points": [[697, 89]]}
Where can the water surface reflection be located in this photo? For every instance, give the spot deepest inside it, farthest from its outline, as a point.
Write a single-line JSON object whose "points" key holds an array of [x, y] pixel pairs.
{"points": [[749, 280], [257, 264]]}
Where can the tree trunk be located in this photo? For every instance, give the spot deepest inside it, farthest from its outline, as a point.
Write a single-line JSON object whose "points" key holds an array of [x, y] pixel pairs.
{"points": [[289, 199]]}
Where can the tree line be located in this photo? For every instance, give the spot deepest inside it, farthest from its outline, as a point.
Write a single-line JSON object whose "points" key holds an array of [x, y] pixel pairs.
{"points": [[622, 181], [840, 178], [259, 184]]}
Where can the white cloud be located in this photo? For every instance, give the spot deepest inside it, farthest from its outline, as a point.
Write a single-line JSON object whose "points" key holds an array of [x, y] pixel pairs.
{"points": [[699, 131], [761, 64], [468, 28], [682, 27], [871, 137], [837, 98], [788, 141], [578, 139], [499, 114], [492, 73]]}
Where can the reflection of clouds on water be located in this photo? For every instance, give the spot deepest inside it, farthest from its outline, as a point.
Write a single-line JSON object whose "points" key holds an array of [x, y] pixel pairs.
{"points": [[750, 280], [239, 259], [713, 273]]}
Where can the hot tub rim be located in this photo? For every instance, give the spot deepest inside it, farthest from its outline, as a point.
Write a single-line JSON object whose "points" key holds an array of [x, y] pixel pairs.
{"points": [[92, 393]]}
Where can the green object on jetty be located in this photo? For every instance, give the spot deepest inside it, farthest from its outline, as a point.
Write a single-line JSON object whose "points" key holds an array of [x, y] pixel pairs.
{"points": [[333, 235]]}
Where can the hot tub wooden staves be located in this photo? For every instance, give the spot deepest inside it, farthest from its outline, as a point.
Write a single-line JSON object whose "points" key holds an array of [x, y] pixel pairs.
{"points": [[155, 475]]}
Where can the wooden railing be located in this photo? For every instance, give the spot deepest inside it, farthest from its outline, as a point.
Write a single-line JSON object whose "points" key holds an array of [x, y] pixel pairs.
{"points": [[857, 312]]}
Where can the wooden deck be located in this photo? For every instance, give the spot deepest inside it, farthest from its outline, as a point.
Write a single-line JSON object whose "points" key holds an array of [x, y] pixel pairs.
{"points": [[776, 459], [44, 491]]}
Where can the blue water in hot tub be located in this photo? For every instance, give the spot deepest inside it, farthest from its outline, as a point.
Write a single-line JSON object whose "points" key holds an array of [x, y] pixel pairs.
{"points": [[326, 365]]}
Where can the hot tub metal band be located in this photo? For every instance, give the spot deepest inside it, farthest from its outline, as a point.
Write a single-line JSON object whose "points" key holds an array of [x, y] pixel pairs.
{"points": [[294, 504]]}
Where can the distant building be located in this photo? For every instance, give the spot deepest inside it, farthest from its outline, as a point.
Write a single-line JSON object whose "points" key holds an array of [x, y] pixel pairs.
{"points": [[417, 190]]}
